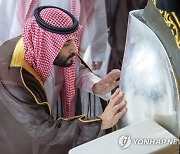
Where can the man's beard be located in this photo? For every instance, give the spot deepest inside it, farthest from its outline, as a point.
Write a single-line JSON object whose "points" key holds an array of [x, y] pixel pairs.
{"points": [[64, 62]]}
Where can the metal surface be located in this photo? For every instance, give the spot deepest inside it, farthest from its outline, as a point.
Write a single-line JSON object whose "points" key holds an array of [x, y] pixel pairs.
{"points": [[121, 141], [147, 78]]}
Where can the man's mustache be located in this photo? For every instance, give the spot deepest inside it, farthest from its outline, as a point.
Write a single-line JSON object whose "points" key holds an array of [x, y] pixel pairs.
{"points": [[70, 56]]}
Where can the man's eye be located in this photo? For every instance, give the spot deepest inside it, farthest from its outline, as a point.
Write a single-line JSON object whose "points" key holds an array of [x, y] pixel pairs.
{"points": [[66, 43]]}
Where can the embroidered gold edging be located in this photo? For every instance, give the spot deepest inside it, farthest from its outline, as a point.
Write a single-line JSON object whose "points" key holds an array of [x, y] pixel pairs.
{"points": [[174, 25], [91, 120], [177, 36], [27, 67], [43, 103], [71, 118], [176, 18], [154, 1], [80, 117], [19, 61], [18, 55]]}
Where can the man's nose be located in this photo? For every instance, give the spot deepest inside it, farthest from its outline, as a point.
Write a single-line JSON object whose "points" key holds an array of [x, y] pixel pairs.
{"points": [[75, 50]]}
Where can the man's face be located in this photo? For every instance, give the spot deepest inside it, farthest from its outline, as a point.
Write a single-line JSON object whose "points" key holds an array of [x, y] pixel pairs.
{"points": [[66, 55]]}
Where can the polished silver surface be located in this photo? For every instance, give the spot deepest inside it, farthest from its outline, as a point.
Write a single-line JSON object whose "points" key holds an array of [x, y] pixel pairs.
{"points": [[148, 79]]}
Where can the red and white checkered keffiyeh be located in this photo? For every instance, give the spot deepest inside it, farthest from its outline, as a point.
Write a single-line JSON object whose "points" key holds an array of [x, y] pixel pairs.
{"points": [[25, 10], [42, 47], [75, 8]]}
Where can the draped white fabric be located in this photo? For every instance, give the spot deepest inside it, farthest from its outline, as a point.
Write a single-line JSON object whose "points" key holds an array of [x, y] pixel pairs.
{"points": [[9, 25]]}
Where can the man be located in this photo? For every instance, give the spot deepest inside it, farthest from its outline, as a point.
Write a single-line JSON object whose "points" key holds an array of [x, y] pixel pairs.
{"points": [[49, 37], [14, 20], [93, 19], [117, 19]]}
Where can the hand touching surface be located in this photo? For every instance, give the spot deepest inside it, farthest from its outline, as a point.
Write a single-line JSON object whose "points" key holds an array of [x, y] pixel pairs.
{"points": [[108, 83], [115, 110]]}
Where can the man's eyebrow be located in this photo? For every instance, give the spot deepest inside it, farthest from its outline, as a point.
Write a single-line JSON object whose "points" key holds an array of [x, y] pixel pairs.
{"points": [[68, 40]]}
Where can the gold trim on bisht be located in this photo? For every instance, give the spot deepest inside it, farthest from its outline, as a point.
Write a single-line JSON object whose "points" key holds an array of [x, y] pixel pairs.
{"points": [[19, 61], [80, 118], [173, 22], [18, 55]]}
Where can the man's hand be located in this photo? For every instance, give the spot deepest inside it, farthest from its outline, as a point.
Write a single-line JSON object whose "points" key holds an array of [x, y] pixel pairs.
{"points": [[114, 110], [108, 83]]}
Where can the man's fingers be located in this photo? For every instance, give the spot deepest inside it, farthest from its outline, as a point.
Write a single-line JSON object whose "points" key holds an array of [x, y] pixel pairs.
{"points": [[115, 94], [117, 83], [119, 106], [114, 74], [121, 113], [114, 84], [118, 98], [111, 76]]}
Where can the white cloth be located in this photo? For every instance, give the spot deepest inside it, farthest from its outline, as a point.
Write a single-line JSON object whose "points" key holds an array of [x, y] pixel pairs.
{"points": [[64, 4], [94, 22], [100, 38], [9, 25]]}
